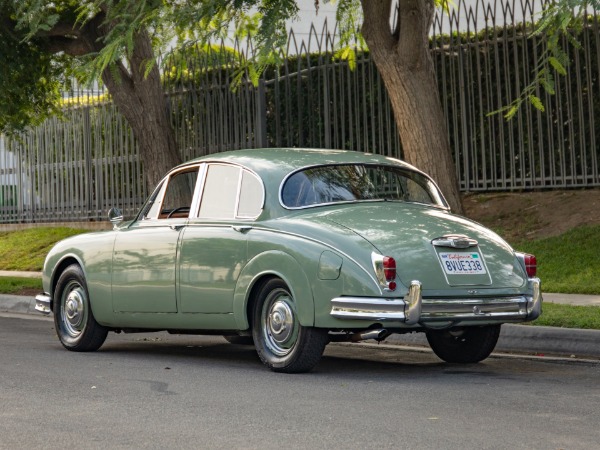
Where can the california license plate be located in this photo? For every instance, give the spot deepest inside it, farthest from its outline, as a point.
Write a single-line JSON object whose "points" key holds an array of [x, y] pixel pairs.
{"points": [[462, 263]]}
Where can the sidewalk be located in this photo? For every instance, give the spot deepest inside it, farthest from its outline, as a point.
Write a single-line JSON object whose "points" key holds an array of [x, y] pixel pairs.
{"points": [[14, 273], [572, 299]]}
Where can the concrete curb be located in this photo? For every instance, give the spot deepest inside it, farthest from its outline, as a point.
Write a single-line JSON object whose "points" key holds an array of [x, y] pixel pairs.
{"points": [[513, 338], [17, 304], [529, 340]]}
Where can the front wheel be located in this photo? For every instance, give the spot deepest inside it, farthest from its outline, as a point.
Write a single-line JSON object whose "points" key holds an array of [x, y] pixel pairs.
{"points": [[464, 345], [73, 319], [281, 342]]}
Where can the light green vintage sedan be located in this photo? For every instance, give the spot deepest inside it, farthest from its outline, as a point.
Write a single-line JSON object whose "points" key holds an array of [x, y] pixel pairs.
{"points": [[290, 249]]}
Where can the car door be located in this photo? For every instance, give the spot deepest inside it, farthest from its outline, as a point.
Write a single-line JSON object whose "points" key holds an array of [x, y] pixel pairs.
{"points": [[145, 253], [213, 247]]}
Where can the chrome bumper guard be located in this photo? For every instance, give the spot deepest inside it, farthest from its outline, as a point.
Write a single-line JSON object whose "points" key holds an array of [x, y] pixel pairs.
{"points": [[42, 303], [413, 309]]}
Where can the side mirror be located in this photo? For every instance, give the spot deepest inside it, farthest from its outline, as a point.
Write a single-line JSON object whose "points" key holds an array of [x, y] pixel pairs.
{"points": [[115, 216]]}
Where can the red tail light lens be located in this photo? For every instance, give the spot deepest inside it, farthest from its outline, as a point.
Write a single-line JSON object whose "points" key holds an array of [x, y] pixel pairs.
{"points": [[389, 268], [530, 265], [385, 269]]}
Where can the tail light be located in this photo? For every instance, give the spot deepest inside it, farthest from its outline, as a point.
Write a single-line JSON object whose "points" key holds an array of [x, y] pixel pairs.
{"points": [[530, 263], [389, 268], [385, 268]]}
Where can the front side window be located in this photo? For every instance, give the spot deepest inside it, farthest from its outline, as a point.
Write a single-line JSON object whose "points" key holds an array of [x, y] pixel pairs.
{"points": [[358, 182], [179, 195], [173, 198]]}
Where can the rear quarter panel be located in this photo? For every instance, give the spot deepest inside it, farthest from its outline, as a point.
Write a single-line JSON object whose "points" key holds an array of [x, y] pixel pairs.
{"points": [[301, 258]]}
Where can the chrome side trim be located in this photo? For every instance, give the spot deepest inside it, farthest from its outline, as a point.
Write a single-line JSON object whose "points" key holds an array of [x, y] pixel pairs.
{"points": [[42, 303], [367, 308]]}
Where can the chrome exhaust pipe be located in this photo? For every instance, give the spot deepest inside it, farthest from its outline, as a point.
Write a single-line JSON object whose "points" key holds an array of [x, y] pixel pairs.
{"points": [[379, 335]]}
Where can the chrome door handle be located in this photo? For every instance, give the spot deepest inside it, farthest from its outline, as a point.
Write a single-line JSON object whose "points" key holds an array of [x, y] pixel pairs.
{"points": [[176, 227], [242, 228]]}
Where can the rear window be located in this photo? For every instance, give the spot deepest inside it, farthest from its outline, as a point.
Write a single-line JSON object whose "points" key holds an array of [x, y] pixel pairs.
{"points": [[358, 182]]}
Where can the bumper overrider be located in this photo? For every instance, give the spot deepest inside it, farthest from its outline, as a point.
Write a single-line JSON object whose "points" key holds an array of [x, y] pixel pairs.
{"points": [[42, 303], [414, 309]]}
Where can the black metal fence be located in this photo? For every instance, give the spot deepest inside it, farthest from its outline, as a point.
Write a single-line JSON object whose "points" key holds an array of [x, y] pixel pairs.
{"points": [[75, 169]]}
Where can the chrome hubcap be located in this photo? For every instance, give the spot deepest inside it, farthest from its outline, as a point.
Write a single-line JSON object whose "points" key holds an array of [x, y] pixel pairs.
{"points": [[279, 323], [74, 313]]}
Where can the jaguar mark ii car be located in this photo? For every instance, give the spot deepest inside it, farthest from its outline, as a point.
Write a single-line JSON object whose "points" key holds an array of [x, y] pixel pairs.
{"points": [[290, 249]]}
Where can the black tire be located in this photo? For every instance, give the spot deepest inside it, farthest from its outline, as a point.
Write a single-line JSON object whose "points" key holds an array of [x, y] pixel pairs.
{"points": [[282, 344], [239, 340], [464, 345], [75, 325]]}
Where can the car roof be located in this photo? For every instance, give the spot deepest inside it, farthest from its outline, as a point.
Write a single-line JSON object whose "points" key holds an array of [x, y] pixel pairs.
{"points": [[276, 163]]}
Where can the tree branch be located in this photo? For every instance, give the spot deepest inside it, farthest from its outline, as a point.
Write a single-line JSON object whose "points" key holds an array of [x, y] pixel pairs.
{"points": [[61, 29], [414, 21], [72, 47], [376, 26]]}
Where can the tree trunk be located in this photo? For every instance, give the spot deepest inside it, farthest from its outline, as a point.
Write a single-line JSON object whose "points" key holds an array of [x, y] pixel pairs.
{"points": [[404, 62], [141, 100]]}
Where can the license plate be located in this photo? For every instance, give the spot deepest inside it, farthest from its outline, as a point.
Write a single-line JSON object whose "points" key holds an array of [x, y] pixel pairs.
{"points": [[462, 263]]}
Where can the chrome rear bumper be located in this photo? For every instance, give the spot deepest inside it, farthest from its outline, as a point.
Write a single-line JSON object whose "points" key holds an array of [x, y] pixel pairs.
{"points": [[413, 308], [42, 303]]}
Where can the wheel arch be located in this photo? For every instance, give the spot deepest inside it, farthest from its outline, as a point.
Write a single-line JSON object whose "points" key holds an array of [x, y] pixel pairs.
{"points": [[61, 266], [261, 268]]}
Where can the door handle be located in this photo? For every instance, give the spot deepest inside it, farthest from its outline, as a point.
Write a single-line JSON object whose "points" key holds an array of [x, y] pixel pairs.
{"points": [[242, 228], [176, 227]]}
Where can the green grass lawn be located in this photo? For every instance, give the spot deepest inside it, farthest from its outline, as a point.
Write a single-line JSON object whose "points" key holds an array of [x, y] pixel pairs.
{"points": [[27, 249], [569, 316], [569, 263], [20, 286]]}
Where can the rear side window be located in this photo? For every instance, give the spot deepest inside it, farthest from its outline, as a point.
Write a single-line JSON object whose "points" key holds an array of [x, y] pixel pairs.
{"points": [[220, 192], [231, 192], [251, 196]]}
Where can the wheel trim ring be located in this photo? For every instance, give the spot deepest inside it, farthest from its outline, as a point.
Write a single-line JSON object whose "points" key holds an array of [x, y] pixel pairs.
{"points": [[279, 323], [74, 311]]}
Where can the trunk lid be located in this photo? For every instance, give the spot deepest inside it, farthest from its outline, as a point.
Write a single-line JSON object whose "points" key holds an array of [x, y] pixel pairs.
{"points": [[437, 248]]}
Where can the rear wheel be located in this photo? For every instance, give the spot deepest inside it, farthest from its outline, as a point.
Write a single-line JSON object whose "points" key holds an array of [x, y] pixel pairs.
{"points": [[281, 342], [73, 319], [464, 345]]}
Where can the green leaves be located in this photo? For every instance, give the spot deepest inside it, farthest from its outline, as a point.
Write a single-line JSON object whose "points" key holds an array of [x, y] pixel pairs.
{"points": [[536, 102], [554, 62], [29, 86], [560, 20]]}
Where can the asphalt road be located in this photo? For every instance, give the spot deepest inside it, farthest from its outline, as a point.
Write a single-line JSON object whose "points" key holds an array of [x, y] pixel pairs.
{"points": [[164, 391]]}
